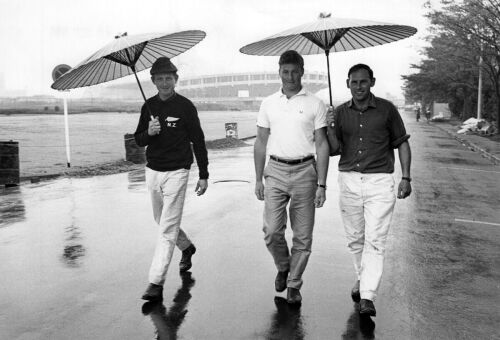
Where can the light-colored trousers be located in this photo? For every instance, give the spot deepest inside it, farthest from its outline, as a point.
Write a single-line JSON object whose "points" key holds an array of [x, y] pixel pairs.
{"points": [[295, 184], [367, 202], [167, 190]]}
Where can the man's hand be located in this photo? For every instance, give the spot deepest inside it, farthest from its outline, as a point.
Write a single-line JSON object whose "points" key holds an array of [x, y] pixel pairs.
{"points": [[320, 198], [259, 190], [330, 116], [201, 187], [154, 127], [404, 189]]}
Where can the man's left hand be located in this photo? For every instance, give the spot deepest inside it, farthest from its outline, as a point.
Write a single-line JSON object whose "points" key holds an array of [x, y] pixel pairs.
{"points": [[404, 189], [320, 198], [201, 187]]}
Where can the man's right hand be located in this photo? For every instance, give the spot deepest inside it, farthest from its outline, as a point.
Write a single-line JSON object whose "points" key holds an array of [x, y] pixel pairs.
{"points": [[259, 190], [154, 127], [330, 116]]}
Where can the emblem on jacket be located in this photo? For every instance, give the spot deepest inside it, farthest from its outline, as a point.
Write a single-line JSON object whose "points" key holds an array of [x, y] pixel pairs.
{"points": [[171, 121]]}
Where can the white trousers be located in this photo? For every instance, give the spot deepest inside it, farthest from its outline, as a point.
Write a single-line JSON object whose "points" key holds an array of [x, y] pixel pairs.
{"points": [[167, 190], [366, 203]]}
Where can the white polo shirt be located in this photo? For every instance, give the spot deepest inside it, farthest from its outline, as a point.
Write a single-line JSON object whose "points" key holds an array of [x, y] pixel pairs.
{"points": [[292, 123]]}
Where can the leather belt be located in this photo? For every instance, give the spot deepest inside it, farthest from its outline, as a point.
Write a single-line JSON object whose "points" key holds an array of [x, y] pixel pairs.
{"points": [[292, 161]]}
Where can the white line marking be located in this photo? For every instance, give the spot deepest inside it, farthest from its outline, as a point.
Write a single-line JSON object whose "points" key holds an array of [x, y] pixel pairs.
{"points": [[478, 222], [447, 167]]}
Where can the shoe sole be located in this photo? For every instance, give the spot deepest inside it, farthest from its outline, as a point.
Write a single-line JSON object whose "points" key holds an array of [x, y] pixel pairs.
{"points": [[185, 269], [152, 298], [368, 312]]}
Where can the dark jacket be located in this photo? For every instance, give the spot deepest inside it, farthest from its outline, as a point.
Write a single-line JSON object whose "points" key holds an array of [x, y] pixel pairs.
{"points": [[180, 126]]}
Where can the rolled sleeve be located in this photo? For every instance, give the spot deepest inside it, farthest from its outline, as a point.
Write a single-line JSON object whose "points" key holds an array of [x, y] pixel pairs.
{"points": [[397, 129], [396, 143]]}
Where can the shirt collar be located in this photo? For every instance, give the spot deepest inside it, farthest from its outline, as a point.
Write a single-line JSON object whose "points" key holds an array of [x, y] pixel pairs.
{"points": [[371, 102], [302, 92]]}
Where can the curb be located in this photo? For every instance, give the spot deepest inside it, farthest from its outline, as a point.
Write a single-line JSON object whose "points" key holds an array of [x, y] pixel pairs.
{"points": [[494, 159]]}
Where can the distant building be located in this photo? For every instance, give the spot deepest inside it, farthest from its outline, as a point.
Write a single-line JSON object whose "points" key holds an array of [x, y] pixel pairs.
{"points": [[238, 90], [242, 86]]}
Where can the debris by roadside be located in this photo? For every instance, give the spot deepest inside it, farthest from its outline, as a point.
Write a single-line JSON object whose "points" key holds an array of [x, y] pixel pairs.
{"points": [[477, 126], [440, 117]]}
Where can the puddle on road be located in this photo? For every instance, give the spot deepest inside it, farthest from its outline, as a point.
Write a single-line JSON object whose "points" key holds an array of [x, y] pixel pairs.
{"points": [[448, 146], [231, 181], [440, 137], [455, 161]]}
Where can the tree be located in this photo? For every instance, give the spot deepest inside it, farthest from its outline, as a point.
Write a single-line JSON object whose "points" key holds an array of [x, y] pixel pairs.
{"points": [[444, 76], [462, 32]]}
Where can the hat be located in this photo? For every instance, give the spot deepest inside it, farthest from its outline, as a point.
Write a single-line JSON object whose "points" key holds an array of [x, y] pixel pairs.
{"points": [[163, 65]]}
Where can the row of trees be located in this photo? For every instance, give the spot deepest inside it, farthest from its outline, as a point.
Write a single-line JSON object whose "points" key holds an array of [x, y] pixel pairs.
{"points": [[463, 33]]}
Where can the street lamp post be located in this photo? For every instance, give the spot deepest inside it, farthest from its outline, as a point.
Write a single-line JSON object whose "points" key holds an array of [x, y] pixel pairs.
{"points": [[480, 82]]}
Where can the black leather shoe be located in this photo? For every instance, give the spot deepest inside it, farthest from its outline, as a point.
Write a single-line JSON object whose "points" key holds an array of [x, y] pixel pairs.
{"points": [[355, 295], [185, 263], [280, 281], [366, 307], [293, 296], [153, 293]]}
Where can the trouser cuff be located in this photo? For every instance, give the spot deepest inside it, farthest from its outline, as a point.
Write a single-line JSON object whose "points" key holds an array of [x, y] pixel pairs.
{"points": [[367, 295]]}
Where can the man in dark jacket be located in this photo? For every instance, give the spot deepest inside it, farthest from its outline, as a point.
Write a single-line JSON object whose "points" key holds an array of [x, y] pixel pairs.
{"points": [[168, 125]]}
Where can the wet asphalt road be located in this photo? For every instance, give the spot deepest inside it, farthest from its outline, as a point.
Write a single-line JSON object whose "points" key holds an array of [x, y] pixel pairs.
{"points": [[74, 255]]}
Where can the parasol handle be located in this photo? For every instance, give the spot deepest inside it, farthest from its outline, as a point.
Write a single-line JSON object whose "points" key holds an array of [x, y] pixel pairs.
{"points": [[327, 53], [142, 92]]}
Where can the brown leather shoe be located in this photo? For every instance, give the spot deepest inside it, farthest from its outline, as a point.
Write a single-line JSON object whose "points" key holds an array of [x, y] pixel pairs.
{"points": [[366, 307], [355, 295], [185, 263], [153, 293], [293, 296], [280, 281]]}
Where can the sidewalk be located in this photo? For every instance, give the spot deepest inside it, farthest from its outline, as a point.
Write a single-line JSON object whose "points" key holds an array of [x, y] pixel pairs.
{"points": [[489, 146]]}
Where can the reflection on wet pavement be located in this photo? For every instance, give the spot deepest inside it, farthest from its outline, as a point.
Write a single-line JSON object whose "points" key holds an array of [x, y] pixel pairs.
{"points": [[12, 208], [167, 323], [136, 179], [286, 322], [73, 250], [359, 326]]}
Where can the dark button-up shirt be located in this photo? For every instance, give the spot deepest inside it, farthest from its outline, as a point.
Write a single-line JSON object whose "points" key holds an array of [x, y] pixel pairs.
{"points": [[368, 138]]}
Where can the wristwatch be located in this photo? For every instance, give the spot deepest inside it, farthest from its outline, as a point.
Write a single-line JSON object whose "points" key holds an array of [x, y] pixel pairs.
{"points": [[322, 186], [406, 179]]}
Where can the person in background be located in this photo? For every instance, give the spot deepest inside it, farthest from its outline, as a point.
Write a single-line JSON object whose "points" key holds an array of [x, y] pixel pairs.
{"points": [[291, 129], [365, 131], [168, 125]]}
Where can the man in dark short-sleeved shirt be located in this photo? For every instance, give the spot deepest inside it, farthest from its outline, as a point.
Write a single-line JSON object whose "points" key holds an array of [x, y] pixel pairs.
{"points": [[364, 132]]}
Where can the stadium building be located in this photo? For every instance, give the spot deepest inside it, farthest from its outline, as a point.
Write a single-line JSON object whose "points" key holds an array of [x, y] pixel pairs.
{"points": [[241, 91]]}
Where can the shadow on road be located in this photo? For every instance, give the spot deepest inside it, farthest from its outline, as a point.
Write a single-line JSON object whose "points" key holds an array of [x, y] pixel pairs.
{"points": [[167, 323]]}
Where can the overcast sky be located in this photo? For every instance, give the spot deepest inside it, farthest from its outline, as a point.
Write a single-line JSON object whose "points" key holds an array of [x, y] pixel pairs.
{"points": [[37, 35]]}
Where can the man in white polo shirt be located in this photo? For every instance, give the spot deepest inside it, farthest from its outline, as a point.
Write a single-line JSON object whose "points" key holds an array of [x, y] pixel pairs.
{"points": [[291, 126]]}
